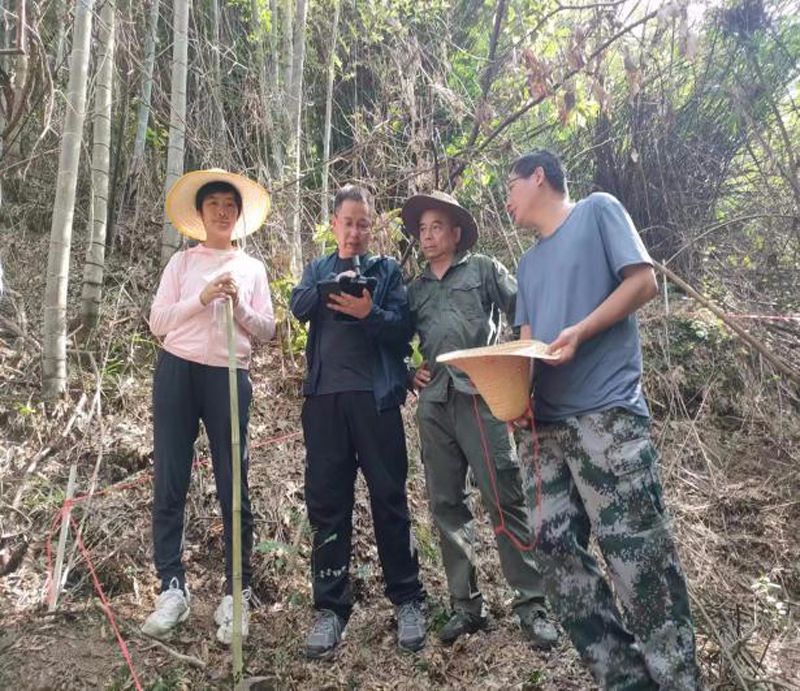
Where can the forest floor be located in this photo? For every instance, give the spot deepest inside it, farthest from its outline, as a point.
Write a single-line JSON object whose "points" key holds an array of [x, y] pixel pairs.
{"points": [[728, 431]]}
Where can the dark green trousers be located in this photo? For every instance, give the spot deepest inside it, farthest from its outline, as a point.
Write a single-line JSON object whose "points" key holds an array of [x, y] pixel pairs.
{"points": [[452, 435]]}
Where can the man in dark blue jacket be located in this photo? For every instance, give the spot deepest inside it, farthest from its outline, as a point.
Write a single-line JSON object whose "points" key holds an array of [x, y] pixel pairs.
{"points": [[355, 385]]}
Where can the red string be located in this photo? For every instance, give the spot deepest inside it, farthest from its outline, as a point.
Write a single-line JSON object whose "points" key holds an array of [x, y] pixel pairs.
{"points": [[501, 528], [276, 440], [106, 605], [63, 512]]}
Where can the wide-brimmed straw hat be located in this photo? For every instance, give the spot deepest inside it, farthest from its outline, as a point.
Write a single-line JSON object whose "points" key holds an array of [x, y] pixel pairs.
{"points": [[183, 214], [414, 208], [501, 373]]}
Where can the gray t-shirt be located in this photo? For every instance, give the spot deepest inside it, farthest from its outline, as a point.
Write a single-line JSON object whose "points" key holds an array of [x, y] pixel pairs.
{"points": [[562, 279]]}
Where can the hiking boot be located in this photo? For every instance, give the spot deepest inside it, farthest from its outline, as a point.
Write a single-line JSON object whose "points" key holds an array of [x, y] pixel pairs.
{"points": [[461, 623], [172, 608], [223, 617], [411, 625], [538, 629], [326, 633]]}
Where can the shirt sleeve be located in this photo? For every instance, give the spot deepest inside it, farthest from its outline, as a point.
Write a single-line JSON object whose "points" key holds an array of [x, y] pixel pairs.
{"points": [[257, 317], [391, 322], [305, 297], [621, 241], [521, 311], [503, 289], [168, 311]]}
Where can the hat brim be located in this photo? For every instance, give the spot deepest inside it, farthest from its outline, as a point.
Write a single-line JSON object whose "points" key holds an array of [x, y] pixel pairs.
{"points": [[415, 206], [184, 216], [500, 373]]}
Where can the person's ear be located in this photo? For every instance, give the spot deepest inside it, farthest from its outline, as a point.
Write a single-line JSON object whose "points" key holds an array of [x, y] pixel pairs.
{"points": [[457, 232]]}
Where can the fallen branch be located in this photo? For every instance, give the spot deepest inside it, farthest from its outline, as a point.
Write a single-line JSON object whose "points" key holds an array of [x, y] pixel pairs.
{"points": [[188, 659], [720, 641], [783, 367]]}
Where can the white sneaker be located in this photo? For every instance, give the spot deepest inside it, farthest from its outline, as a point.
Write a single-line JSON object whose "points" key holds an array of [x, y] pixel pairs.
{"points": [[224, 617], [172, 608]]}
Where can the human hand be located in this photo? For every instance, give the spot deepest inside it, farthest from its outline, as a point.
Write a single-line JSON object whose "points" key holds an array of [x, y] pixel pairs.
{"points": [[565, 346], [422, 377], [522, 422], [358, 307], [221, 287]]}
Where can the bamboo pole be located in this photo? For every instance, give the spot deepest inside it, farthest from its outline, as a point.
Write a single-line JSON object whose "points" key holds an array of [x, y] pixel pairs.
{"points": [[783, 367], [55, 584], [236, 461]]}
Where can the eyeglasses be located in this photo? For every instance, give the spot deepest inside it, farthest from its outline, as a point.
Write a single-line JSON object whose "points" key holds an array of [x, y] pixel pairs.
{"points": [[510, 182]]}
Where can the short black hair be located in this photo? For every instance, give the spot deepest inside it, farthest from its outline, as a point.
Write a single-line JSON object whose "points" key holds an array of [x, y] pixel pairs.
{"points": [[553, 168], [352, 193], [217, 187]]}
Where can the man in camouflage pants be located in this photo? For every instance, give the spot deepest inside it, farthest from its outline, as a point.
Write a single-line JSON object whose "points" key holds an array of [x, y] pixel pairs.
{"points": [[579, 287]]}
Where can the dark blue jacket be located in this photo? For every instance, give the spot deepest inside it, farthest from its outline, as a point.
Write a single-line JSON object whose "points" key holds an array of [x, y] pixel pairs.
{"points": [[388, 325]]}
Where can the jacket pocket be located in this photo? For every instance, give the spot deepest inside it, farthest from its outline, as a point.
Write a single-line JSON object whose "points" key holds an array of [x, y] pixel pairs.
{"points": [[466, 300]]}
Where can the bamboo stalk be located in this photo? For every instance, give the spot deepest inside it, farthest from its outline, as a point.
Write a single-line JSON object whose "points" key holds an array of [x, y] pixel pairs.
{"points": [[783, 367], [236, 461], [55, 585]]}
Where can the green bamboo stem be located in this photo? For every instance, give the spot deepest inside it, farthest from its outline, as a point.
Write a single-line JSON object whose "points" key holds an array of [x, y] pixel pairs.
{"points": [[236, 461]]}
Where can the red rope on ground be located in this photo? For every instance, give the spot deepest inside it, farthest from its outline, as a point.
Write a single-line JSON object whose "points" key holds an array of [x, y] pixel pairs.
{"points": [[61, 515], [276, 440], [767, 317], [123, 646], [501, 529]]}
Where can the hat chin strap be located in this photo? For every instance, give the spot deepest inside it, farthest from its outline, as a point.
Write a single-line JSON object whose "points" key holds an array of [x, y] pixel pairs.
{"points": [[491, 469]]}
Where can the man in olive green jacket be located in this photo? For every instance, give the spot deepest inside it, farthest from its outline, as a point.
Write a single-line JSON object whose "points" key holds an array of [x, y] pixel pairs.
{"points": [[456, 303]]}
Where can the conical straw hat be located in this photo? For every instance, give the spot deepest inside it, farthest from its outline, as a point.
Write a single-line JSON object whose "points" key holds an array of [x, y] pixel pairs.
{"points": [[501, 373], [182, 213]]}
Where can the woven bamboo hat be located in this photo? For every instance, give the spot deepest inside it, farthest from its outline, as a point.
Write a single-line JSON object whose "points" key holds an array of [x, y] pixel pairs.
{"points": [[183, 214], [500, 373], [415, 206]]}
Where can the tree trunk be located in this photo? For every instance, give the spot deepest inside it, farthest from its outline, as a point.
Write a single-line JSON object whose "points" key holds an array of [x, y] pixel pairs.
{"points": [[295, 124], [54, 370], [20, 85], [143, 114], [287, 24], [177, 118], [101, 154], [273, 43], [326, 142], [62, 14], [221, 150], [266, 84], [282, 79]]}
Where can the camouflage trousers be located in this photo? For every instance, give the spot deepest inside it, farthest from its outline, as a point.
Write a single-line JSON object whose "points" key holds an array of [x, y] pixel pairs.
{"points": [[598, 472]]}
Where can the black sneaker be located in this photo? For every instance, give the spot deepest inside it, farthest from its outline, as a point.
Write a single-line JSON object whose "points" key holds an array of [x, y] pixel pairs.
{"points": [[538, 629], [325, 635], [411, 625], [461, 623]]}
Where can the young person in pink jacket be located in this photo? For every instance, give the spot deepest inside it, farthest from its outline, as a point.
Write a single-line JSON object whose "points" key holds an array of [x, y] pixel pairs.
{"points": [[190, 382]]}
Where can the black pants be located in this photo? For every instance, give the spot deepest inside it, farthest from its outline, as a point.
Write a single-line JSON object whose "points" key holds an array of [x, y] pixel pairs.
{"points": [[184, 393], [344, 431]]}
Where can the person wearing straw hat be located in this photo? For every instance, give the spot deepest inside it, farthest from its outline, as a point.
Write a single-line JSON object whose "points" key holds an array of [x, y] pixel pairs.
{"points": [[354, 388], [579, 288], [191, 383], [456, 303]]}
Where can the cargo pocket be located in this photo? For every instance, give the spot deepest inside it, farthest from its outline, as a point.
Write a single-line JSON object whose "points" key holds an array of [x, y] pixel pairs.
{"points": [[629, 448], [633, 459]]}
